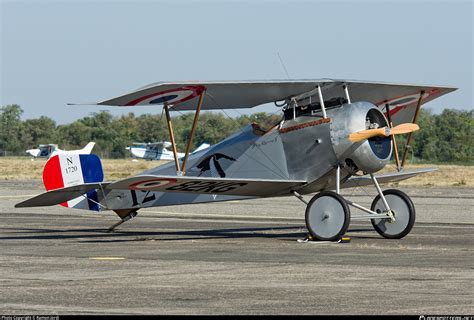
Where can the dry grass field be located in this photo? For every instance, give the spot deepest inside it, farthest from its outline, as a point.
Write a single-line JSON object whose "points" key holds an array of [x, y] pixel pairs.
{"points": [[23, 168]]}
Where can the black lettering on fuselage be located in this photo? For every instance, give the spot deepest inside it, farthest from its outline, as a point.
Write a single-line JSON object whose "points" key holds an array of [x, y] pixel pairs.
{"points": [[146, 199], [69, 160], [207, 186]]}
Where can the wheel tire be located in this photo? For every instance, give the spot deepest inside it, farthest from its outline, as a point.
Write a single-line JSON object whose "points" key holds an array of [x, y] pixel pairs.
{"points": [[327, 216], [404, 212]]}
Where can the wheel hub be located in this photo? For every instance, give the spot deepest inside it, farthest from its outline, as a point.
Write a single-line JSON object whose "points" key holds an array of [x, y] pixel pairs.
{"points": [[391, 215]]}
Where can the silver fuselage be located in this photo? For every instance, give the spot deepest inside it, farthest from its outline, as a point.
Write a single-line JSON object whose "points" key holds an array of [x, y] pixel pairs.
{"points": [[307, 148]]}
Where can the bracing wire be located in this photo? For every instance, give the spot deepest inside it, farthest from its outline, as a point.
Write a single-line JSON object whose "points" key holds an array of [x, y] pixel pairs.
{"points": [[283, 65]]}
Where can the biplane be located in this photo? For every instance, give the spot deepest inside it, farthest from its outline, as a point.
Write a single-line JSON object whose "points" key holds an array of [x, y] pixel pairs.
{"points": [[50, 150], [333, 134], [157, 150]]}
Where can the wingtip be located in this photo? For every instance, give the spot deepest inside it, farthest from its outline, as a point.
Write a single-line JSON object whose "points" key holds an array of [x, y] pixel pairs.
{"points": [[82, 104]]}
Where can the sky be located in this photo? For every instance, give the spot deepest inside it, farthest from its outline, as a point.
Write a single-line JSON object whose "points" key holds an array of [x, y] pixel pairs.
{"points": [[59, 52]]}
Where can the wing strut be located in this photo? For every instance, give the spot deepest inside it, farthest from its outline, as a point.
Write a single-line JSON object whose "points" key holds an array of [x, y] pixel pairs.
{"points": [[173, 143], [181, 171], [346, 91], [415, 117], [394, 141], [321, 102], [193, 131]]}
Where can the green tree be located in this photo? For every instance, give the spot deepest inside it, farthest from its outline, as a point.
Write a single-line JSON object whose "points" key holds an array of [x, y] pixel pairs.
{"points": [[73, 136], [37, 131], [447, 137], [10, 127], [454, 132], [151, 128]]}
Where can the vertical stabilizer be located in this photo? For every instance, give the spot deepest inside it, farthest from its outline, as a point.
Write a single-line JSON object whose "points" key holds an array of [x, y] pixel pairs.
{"points": [[88, 148], [66, 170]]}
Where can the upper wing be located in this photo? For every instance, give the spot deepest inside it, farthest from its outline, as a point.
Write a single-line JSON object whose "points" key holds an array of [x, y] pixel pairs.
{"points": [[248, 94], [159, 145], [401, 98], [219, 95], [203, 185]]}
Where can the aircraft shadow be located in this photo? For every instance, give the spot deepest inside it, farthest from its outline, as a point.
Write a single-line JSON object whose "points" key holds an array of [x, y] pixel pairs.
{"points": [[101, 235], [94, 235]]}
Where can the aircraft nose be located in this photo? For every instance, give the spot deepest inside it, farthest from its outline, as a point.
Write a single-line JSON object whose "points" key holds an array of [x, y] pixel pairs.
{"points": [[369, 154]]}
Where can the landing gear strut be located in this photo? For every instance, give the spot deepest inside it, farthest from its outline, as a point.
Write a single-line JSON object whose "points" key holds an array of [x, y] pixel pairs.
{"points": [[125, 215]]}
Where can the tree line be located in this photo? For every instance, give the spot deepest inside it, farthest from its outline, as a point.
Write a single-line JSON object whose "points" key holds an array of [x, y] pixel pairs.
{"points": [[113, 134], [445, 137]]}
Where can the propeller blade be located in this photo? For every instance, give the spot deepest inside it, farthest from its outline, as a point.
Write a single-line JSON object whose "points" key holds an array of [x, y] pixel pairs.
{"points": [[404, 128], [383, 132]]}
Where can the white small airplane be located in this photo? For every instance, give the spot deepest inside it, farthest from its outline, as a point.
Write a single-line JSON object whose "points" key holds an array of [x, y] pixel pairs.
{"points": [[43, 150], [50, 150], [157, 150]]}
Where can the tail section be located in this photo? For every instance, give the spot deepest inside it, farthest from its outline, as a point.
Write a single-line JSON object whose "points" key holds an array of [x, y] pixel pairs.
{"points": [[88, 148], [66, 170], [202, 147]]}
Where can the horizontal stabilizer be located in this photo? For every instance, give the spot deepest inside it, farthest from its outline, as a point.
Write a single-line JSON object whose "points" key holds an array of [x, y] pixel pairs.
{"points": [[61, 195], [203, 185], [384, 178]]}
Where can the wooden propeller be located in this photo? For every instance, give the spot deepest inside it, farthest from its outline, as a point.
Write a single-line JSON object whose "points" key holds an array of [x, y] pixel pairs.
{"points": [[383, 132]]}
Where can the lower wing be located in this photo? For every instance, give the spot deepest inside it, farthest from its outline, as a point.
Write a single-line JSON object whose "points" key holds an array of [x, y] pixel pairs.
{"points": [[360, 181], [204, 185], [171, 184]]}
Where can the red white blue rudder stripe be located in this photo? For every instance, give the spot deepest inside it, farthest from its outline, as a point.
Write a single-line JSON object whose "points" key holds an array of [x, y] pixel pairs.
{"points": [[66, 170]]}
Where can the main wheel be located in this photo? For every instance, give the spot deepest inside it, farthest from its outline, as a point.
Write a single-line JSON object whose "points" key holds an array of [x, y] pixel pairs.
{"points": [[327, 216], [403, 211]]}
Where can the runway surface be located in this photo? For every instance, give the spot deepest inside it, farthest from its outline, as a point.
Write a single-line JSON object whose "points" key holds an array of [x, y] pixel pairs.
{"points": [[240, 257]]}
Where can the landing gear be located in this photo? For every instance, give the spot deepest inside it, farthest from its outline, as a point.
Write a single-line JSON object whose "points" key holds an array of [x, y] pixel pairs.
{"points": [[125, 215], [403, 212], [327, 216]]}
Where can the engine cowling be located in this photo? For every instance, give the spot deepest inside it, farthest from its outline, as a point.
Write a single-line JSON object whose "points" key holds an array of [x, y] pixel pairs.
{"points": [[369, 155]]}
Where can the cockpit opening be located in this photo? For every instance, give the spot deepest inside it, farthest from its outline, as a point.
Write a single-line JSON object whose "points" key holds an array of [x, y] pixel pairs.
{"points": [[310, 109]]}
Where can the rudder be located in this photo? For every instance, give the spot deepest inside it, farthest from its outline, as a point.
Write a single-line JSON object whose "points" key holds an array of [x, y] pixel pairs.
{"points": [[65, 170]]}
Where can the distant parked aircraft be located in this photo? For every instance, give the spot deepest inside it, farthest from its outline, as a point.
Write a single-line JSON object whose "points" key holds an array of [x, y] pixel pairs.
{"points": [[50, 150], [157, 150]]}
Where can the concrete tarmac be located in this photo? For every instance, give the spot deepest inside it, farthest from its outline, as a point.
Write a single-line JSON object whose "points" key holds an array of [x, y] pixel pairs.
{"points": [[239, 257]]}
